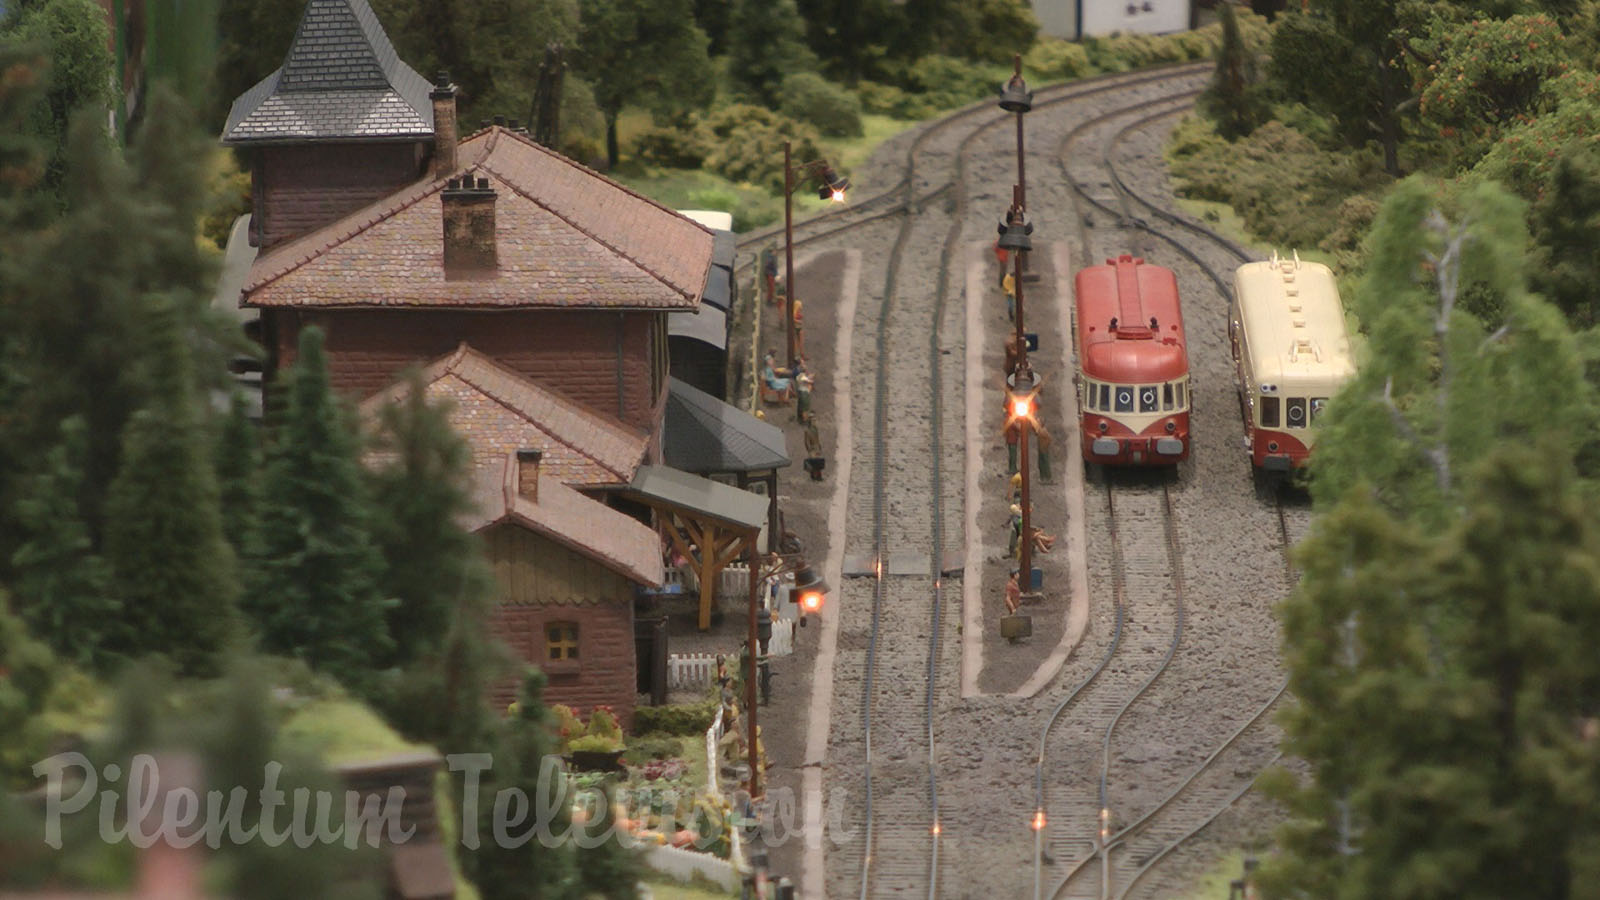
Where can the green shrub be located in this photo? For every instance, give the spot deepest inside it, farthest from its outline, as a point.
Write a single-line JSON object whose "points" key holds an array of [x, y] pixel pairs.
{"points": [[593, 743], [678, 719], [1288, 191], [747, 144], [603, 723], [812, 99], [1052, 59], [673, 148], [944, 82], [881, 99], [652, 746], [567, 724]]}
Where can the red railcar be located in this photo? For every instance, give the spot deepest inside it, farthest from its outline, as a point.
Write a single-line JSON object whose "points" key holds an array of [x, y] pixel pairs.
{"points": [[1133, 364]]}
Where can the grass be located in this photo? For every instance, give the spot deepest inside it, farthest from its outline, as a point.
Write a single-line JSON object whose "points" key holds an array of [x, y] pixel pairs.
{"points": [[666, 889], [344, 731], [1214, 886]]}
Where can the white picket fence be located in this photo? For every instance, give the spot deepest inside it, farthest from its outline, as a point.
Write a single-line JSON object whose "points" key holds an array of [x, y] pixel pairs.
{"points": [[688, 671], [683, 865]]}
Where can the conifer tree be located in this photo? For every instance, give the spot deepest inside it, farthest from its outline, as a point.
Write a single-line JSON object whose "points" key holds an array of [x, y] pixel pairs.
{"points": [[1566, 223], [1232, 99], [61, 586], [318, 596], [419, 492], [766, 41], [609, 862], [30, 671], [526, 760], [239, 476], [175, 573]]}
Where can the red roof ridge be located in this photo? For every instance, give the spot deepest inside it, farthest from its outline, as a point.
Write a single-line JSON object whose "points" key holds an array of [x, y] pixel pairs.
{"points": [[578, 409], [587, 233]]}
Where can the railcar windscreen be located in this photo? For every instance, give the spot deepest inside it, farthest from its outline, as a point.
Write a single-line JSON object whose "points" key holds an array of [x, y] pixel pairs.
{"points": [[1269, 412], [1296, 407]]}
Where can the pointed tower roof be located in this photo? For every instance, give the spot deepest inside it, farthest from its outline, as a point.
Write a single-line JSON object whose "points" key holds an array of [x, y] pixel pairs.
{"points": [[341, 80]]}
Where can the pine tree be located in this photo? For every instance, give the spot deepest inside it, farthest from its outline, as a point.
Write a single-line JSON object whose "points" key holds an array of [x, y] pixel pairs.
{"points": [[175, 573], [1232, 99], [62, 587], [526, 761], [239, 476], [30, 672], [766, 41], [609, 863], [418, 495], [1566, 223], [318, 597]]}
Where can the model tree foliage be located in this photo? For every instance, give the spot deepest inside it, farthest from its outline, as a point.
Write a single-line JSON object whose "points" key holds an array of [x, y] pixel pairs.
{"points": [[1233, 99], [73, 36], [525, 759], [766, 43], [61, 586], [645, 52], [1445, 700], [318, 596], [175, 572], [1566, 222]]}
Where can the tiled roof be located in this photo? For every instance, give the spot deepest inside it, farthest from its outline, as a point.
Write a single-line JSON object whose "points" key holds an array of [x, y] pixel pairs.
{"points": [[620, 542], [566, 236], [497, 411], [341, 80], [705, 435]]}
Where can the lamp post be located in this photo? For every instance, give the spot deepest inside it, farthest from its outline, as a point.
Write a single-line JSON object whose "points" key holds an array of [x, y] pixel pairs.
{"points": [[833, 187], [811, 589], [1021, 407]]}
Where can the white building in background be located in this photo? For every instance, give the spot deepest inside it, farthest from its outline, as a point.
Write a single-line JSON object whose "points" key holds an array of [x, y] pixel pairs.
{"points": [[1073, 19]]}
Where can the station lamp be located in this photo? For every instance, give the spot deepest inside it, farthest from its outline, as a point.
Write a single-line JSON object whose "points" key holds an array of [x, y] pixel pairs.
{"points": [[1022, 392], [1014, 235], [833, 186], [1015, 96], [809, 592]]}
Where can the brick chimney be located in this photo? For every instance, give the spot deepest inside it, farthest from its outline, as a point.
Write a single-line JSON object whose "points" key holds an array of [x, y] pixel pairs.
{"points": [[528, 473], [445, 133], [469, 240]]}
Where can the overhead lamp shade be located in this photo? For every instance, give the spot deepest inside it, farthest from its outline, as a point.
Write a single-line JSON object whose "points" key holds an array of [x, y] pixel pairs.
{"points": [[807, 579], [833, 186], [1015, 96], [1016, 237]]}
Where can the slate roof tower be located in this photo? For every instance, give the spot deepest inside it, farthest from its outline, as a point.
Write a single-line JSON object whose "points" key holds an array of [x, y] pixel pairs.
{"points": [[343, 122]]}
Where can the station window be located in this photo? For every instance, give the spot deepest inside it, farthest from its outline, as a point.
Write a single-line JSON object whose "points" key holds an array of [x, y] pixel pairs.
{"points": [[1295, 412], [1125, 398], [1269, 412], [561, 641], [1317, 405], [1149, 399]]}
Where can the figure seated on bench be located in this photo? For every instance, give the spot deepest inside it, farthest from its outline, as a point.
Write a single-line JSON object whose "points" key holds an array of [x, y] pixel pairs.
{"points": [[776, 384]]}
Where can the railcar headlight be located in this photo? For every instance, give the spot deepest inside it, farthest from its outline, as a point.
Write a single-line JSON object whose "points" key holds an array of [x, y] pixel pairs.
{"points": [[1103, 427], [1272, 446], [1171, 426]]}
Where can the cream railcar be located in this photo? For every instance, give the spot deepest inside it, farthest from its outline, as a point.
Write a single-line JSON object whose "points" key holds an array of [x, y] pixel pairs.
{"points": [[1292, 353]]}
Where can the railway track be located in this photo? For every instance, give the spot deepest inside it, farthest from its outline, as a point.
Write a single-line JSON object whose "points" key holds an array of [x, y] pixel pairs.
{"points": [[1091, 840], [906, 635]]}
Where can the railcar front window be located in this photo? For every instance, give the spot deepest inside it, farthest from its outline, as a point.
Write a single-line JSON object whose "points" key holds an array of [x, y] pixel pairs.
{"points": [[1124, 398], [1149, 399], [1295, 411], [1178, 389], [1317, 405], [1088, 395], [1269, 412], [1166, 396], [1105, 397]]}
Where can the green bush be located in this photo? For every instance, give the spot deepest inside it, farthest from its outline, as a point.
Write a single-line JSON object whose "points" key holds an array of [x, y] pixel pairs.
{"points": [[593, 743], [673, 148], [944, 82], [881, 99], [678, 719], [747, 144], [603, 723], [652, 746], [812, 99], [1288, 191], [1053, 59]]}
